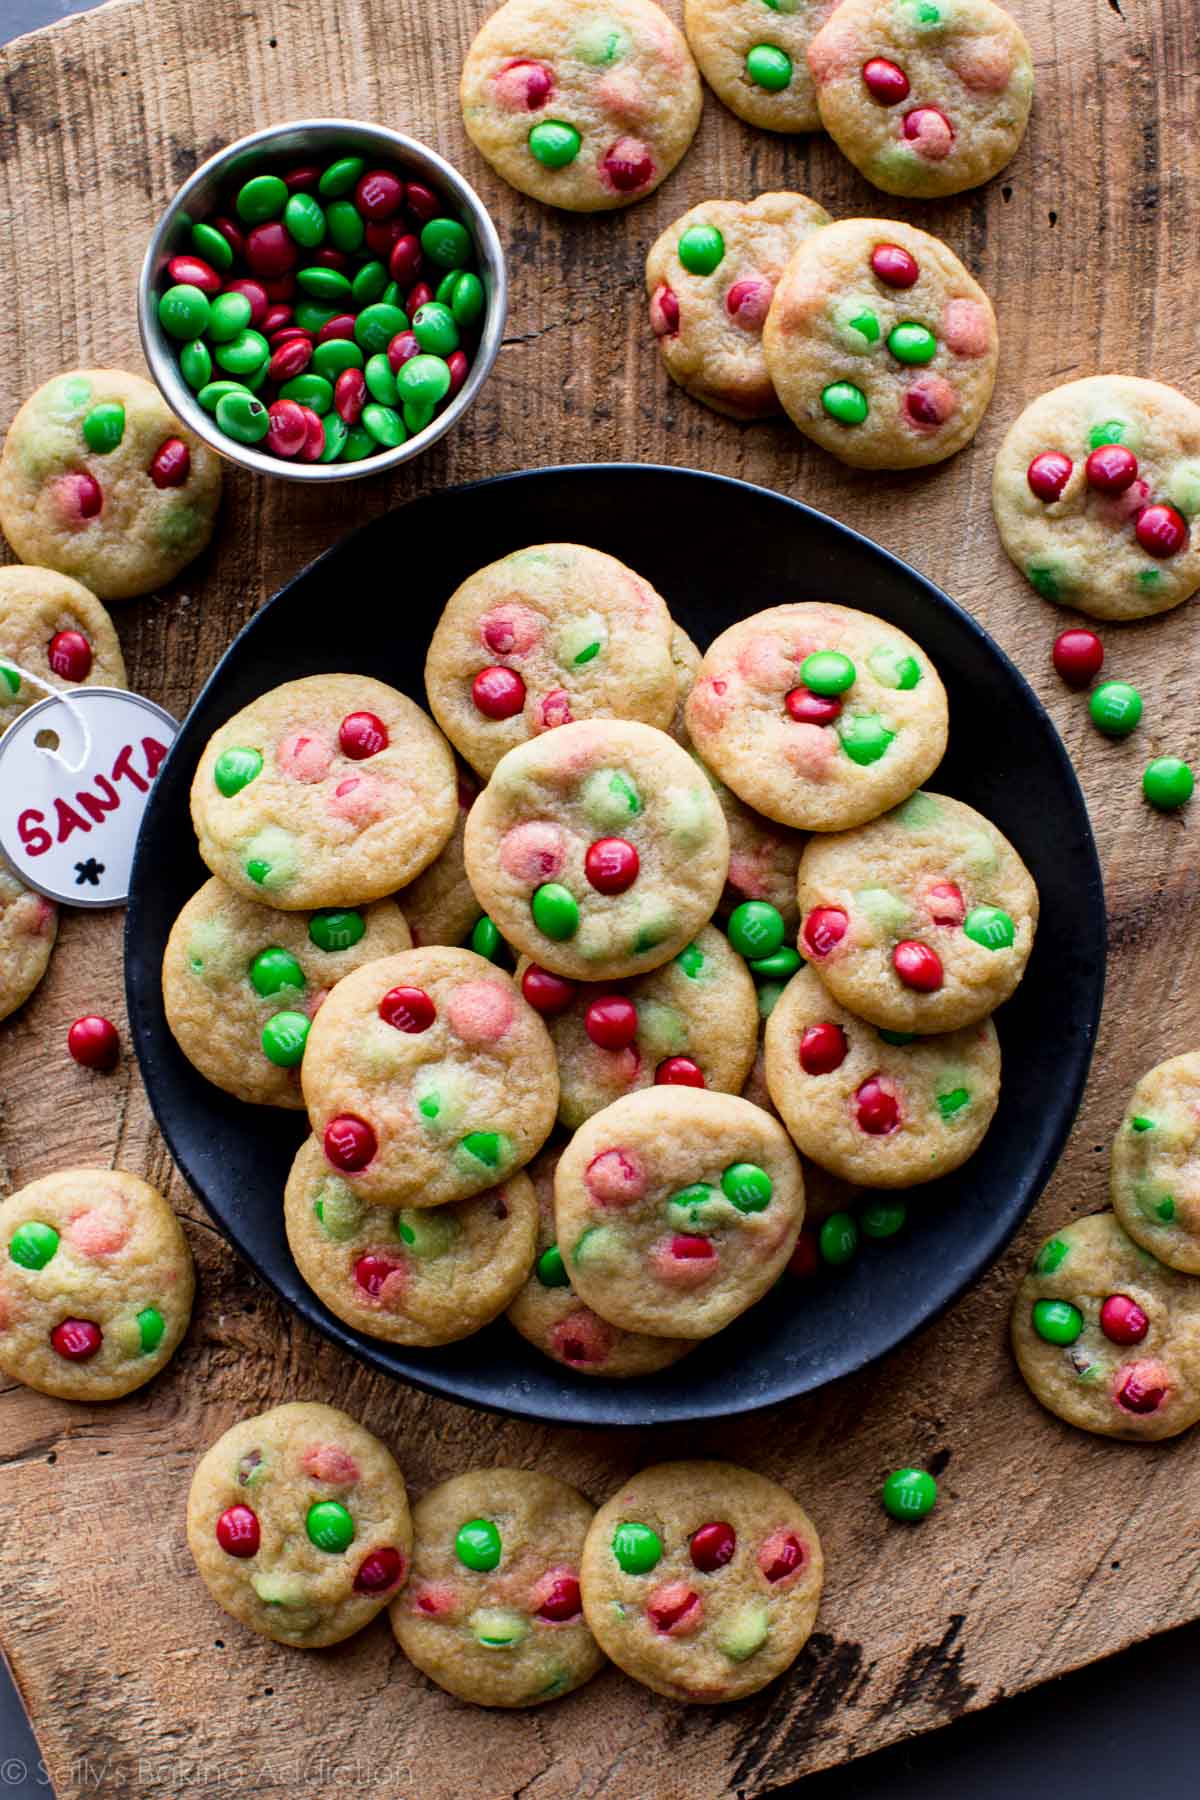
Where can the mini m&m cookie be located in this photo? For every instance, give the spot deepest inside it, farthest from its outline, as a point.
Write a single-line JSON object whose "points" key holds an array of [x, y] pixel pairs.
{"points": [[58, 630], [328, 791], [754, 56], [585, 106], [28, 928], [548, 1313], [493, 1612], [96, 1284], [702, 1580], [676, 1209], [926, 97], [1106, 1336], [242, 983], [1155, 1168], [298, 1521], [880, 345], [921, 921], [101, 482], [1096, 494], [818, 716], [598, 849], [408, 1276], [692, 1022], [428, 1078], [549, 634], [880, 1109], [711, 278]]}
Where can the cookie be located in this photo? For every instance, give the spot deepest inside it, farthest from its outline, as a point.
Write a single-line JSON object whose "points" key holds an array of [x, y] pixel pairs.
{"points": [[428, 1079], [1096, 493], [411, 1277], [686, 659], [598, 849], [1155, 1168], [881, 347], [754, 57], [1107, 1337], [28, 928], [328, 791], [550, 1315], [299, 1524], [926, 97], [58, 630], [877, 1112], [676, 1209], [584, 106], [493, 1611], [818, 716], [89, 487], [763, 857], [921, 921], [440, 905], [691, 1022], [711, 277], [242, 984], [549, 634], [96, 1284], [702, 1580]]}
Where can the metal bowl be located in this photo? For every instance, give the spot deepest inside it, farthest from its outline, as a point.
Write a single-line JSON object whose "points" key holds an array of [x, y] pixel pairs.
{"points": [[317, 139]]}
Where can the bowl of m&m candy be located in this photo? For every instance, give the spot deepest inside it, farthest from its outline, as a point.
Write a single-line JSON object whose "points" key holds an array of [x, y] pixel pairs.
{"points": [[323, 299]]}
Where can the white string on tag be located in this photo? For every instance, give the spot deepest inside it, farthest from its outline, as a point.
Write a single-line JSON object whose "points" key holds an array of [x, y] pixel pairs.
{"points": [[68, 699]]}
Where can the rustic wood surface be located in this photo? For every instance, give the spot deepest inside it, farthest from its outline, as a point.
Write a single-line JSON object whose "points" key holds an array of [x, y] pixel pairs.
{"points": [[1049, 1549]]}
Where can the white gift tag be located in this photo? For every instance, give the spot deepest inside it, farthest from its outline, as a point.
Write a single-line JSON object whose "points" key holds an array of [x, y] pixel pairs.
{"points": [[75, 774]]}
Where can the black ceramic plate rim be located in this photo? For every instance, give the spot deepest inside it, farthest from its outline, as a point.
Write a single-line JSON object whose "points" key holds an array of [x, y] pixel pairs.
{"points": [[623, 1407]]}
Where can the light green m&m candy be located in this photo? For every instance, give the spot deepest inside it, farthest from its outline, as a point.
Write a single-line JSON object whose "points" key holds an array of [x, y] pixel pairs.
{"points": [[33, 1244], [1057, 1321], [845, 402], [912, 343], [477, 1545], [228, 316], [1168, 783], [769, 67], [701, 249], [275, 968], [243, 418], [329, 1526], [104, 427], [747, 1186], [554, 143], [555, 911], [498, 1628], [421, 382], [235, 769], [827, 672], [637, 1548]]}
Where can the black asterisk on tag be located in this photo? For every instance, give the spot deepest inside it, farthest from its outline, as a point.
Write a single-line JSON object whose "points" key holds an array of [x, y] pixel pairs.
{"points": [[89, 871]]}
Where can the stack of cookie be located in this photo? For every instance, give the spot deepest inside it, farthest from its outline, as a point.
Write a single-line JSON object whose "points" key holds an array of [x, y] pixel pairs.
{"points": [[564, 963]]}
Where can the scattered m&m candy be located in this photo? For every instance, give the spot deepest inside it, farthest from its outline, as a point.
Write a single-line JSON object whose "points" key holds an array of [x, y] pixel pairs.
{"points": [[1116, 708], [909, 1494], [94, 1043], [1078, 656], [1168, 783]]}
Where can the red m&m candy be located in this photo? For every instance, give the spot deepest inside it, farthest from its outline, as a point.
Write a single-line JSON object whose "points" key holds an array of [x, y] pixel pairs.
{"points": [[408, 1009], [876, 1108], [350, 1143], [77, 1340], [547, 993], [1078, 656], [1048, 474], [611, 1022], [611, 865], [1111, 469], [824, 929], [893, 265], [1161, 531], [885, 81], [918, 967], [93, 1042], [823, 1048], [1122, 1320], [362, 734], [379, 1571], [237, 1531], [498, 693], [679, 1071], [70, 655], [812, 709], [712, 1546], [559, 1598]]}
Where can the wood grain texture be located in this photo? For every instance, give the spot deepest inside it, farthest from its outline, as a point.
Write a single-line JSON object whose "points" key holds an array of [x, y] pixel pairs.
{"points": [[1049, 1549]]}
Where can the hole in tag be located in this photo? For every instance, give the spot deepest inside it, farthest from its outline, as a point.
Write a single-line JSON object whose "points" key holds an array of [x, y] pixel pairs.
{"points": [[47, 739]]}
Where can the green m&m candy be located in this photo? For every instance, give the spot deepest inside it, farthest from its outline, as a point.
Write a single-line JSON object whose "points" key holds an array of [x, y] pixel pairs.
{"points": [[769, 67], [951, 1103], [1140, 1122], [911, 343], [336, 929], [864, 737], [781, 965], [845, 402], [1052, 1255], [747, 1186], [1168, 783], [356, 444], [883, 1218], [477, 1545], [324, 284], [636, 1547], [427, 1233], [378, 324], [381, 383], [341, 176], [554, 143], [283, 1039], [491, 1148], [273, 969], [609, 797], [691, 960], [446, 243], [421, 382], [304, 220], [909, 1494], [1057, 1321], [104, 427], [463, 293], [1116, 708], [195, 364], [769, 995], [10, 678], [858, 327], [434, 328], [550, 1268], [838, 1239], [244, 419], [213, 246], [369, 283], [331, 359], [336, 433], [756, 928], [228, 315], [894, 668], [329, 1526], [384, 424], [235, 769], [827, 672], [244, 354], [485, 939], [555, 911], [701, 249], [311, 390], [33, 1244], [151, 1325], [183, 312], [990, 926], [345, 225], [262, 197], [213, 392]]}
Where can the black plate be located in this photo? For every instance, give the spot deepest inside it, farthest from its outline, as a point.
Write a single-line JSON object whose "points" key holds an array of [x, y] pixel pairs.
{"points": [[717, 550]]}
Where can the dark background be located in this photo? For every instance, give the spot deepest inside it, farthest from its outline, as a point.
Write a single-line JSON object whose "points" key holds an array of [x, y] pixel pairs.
{"points": [[1129, 1726]]}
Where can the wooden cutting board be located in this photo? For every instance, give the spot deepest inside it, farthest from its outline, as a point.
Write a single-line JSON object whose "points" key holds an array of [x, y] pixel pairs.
{"points": [[1048, 1549]]}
